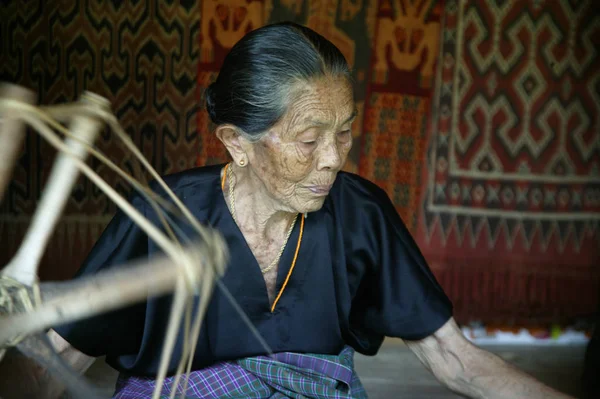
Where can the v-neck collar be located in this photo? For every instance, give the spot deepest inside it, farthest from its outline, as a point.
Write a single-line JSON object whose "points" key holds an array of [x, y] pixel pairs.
{"points": [[253, 271]]}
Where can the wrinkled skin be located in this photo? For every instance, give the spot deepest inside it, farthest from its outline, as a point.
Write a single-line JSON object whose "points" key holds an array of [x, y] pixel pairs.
{"points": [[307, 148], [291, 169]]}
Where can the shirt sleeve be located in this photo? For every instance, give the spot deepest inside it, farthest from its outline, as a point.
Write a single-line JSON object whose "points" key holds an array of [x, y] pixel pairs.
{"points": [[118, 331], [398, 295]]}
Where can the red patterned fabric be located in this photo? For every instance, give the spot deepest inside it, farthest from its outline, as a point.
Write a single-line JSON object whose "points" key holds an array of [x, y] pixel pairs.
{"points": [[393, 147], [510, 211], [482, 124]]}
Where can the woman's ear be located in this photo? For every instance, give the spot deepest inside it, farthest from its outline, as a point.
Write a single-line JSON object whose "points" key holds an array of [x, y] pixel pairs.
{"points": [[234, 142]]}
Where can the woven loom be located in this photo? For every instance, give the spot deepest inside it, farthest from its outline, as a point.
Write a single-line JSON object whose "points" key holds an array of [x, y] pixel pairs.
{"points": [[29, 308]]}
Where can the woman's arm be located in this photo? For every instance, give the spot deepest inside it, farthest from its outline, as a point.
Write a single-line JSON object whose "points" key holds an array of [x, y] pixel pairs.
{"points": [[474, 372], [22, 377]]}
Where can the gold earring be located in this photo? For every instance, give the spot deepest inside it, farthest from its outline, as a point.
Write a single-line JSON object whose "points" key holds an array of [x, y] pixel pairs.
{"points": [[242, 162]]}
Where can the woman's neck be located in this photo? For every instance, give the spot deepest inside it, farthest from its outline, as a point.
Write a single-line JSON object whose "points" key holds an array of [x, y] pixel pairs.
{"points": [[256, 211]]}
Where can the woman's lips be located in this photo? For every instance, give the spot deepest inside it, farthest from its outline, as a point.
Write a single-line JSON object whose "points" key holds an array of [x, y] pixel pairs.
{"points": [[320, 190]]}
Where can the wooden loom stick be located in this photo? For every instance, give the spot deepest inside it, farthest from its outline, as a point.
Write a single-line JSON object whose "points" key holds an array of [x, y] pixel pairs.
{"points": [[12, 133], [23, 267], [190, 338], [102, 292], [205, 294], [176, 313], [62, 112], [150, 229], [77, 305]]}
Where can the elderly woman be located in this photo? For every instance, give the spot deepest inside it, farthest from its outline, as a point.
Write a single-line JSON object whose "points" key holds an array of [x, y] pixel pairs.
{"points": [[320, 261]]}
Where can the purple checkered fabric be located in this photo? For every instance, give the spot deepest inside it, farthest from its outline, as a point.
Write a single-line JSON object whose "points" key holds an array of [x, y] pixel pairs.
{"points": [[282, 375]]}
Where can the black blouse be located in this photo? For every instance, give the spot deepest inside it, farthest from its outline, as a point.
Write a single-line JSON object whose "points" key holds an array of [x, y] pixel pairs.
{"points": [[359, 276]]}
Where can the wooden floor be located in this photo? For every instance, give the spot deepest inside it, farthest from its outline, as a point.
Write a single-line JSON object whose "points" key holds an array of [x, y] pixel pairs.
{"points": [[396, 373]]}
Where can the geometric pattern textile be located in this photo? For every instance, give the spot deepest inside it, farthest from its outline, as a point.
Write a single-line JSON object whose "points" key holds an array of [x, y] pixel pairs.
{"points": [[510, 210], [480, 118], [405, 52], [140, 55]]}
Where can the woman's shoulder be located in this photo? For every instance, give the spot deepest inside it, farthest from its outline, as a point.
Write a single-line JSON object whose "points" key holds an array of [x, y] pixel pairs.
{"points": [[189, 178], [194, 187], [360, 200], [350, 187]]}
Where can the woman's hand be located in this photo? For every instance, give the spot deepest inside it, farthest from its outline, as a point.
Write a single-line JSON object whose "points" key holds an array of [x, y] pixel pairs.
{"points": [[474, 372]]}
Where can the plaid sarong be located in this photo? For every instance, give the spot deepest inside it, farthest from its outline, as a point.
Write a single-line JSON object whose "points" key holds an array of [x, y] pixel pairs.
{"points": [[282, 375]]}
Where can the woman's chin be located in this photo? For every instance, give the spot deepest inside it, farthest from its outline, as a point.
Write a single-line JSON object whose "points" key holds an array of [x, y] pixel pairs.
{"points": [[312, 205]]}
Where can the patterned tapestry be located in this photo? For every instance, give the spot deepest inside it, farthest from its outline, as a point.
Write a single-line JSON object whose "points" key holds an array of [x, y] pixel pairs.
{"points": [[511, 206], [405, 51], [480, 119], [140, 55]]}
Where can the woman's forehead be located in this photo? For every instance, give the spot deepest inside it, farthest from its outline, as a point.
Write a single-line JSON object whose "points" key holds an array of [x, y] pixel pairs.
{"points": [[322, 103]]}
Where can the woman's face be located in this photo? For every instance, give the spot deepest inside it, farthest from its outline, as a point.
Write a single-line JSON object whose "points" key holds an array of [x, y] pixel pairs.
{"points": [[298, 159]]}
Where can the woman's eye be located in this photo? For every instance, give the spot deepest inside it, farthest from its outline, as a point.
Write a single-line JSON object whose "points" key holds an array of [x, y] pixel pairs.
{"points": [[344, 135], [310, 142]]}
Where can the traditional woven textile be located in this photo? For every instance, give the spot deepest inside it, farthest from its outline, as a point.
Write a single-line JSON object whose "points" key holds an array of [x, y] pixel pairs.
{"points": [[283, 375], [510, 212], [496, 174], [405, 52], [142, 57]]}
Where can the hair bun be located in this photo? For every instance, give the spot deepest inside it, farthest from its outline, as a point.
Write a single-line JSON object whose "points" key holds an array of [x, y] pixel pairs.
{"points": [[210, 102]]}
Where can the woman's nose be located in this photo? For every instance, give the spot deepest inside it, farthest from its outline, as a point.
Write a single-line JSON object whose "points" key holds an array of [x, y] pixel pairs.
{"points": [[329, 157]]}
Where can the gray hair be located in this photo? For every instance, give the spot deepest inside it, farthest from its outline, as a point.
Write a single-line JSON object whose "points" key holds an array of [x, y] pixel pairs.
{"points": [[256, 83]]}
